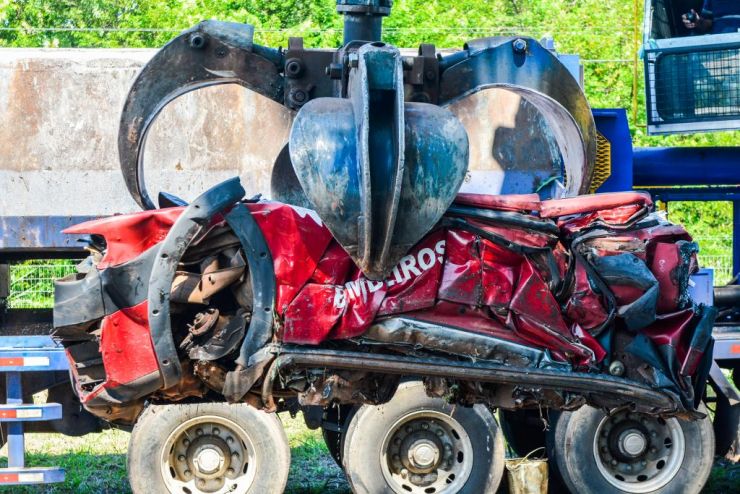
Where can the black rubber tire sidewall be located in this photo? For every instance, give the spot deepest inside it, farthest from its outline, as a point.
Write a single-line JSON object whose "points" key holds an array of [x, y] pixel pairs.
{"points": [[574, 436], [368, 427], [157, 422]]}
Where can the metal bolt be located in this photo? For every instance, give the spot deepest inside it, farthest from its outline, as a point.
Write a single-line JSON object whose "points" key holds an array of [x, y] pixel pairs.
{"points": [[404, 473], [197, 41], [354, 60], [334, 70], [201, 482], [653, 434], [440, 432], [397, 441], [187, 473], [653, 450], [616, 368], [409, 429], [293, 68], [425, 426], [186, 442], [221, 52], [181, 458], [431, 75], [229, 439], [643, 463], [614, 462], [519, 45], [298, 96], [234, 456], [230, 471], [216, 431], [199, 432]]}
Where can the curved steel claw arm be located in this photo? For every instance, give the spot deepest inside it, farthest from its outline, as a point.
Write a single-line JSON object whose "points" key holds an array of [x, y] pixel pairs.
{"points": [[526, 68], [208, 54]]}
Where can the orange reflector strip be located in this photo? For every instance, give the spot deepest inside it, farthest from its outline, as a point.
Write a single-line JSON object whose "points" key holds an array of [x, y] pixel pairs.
{"points": [[735, 349], [24, 361], [8, 414], [8, 477]]}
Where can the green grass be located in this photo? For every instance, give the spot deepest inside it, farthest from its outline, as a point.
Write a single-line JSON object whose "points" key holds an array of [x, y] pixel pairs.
{"points": [[96, 464]]}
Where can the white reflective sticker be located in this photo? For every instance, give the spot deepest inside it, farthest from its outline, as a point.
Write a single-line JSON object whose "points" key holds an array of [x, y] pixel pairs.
{"points": [[30, 477], [28, 413], [36, 361]]}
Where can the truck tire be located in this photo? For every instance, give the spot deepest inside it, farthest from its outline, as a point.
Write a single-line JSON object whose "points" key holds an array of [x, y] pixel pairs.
{"points": [[632, 453], [207, 448], [418, 444]]}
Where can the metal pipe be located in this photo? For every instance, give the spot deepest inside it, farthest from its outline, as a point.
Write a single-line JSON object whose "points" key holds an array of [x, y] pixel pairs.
{"points": [[580, 382], [685, 166], [363, 19], [727, 296]]}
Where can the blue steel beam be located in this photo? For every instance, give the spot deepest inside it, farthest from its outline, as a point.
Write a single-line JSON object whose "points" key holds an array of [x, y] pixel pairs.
{"points": [[685, 166]]}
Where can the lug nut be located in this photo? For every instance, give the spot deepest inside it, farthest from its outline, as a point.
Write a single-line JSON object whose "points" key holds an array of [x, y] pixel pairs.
{"points": [[186, 442], [440, 433], [230, 471], [199, 432], [187, 473], [229, 439], [201, 482], [425, 426], [409, 429], [234, 456], [216, 431], [397, 441], [197, 41], [519, 45], [181, 458], [404, 473]]}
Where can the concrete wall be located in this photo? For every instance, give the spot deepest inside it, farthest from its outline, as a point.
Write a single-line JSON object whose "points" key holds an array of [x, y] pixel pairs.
{"points": [[59, 112]]}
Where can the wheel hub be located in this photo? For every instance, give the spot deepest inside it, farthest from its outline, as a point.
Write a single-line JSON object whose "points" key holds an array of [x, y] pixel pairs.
{"points": [[638, 453], [632, 442], [207, 455], [426, 452], [423, 454], [210, 456]]}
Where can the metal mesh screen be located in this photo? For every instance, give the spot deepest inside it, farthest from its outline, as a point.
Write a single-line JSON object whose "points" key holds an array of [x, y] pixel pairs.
{"points": [[695, 86], [32, 283]]}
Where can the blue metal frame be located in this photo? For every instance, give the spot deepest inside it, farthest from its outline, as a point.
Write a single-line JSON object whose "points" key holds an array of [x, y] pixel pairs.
{"points": [[48, 356]]}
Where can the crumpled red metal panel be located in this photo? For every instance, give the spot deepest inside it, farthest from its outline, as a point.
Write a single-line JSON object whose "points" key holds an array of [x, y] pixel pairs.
{"points": [[606, 203], [536, 317], [334, 266], [311, 315], [673, 329], [126, 346], [473, 319], [297, 239], [128, 235], [511, 202], [666, 261], [462, 274], [584, 304], [500, 272], [414, 283]]}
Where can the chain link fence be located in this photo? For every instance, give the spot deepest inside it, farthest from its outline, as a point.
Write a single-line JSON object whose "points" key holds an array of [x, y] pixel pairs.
{"points": [[32, 282]]}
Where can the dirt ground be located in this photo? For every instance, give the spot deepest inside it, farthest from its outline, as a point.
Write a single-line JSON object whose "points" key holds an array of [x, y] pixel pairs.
{"points": [[96, 464]]}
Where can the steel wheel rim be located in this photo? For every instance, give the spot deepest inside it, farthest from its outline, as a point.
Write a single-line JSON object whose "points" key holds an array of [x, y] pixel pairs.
{"points": [[637, 453], [426, 452], [208, 455]]}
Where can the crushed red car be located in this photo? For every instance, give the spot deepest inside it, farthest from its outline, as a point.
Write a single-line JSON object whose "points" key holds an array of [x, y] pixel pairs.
{"points": [[508, 300]]}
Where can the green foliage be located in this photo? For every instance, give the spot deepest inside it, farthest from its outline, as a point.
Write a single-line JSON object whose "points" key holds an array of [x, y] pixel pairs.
{"points": [[605, 33]]}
